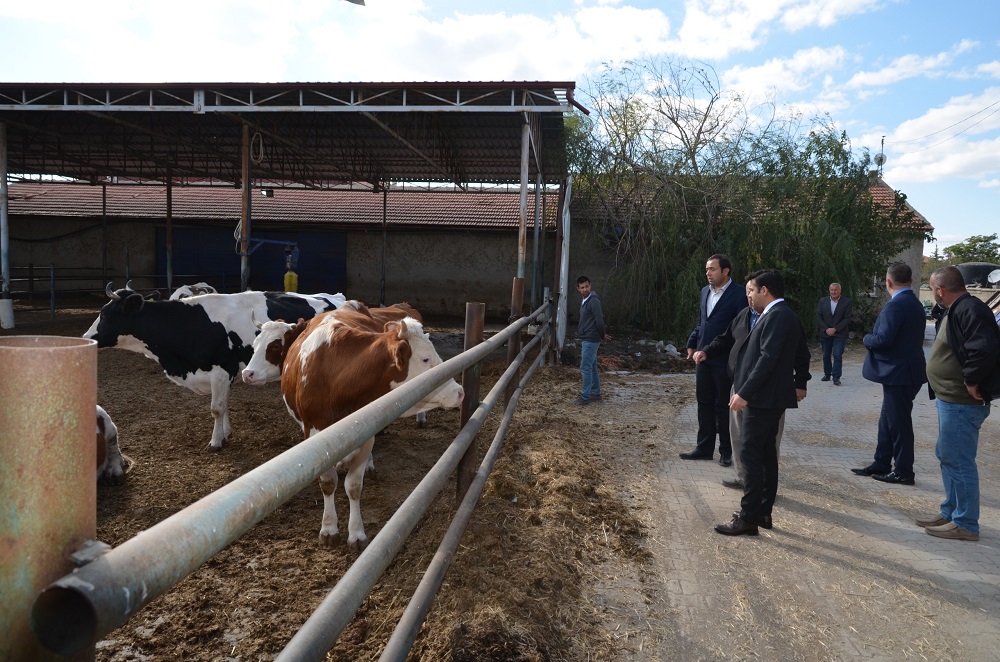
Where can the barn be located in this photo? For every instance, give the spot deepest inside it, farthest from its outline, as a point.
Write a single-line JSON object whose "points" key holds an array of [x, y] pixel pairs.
{"points": [[216, 180]]}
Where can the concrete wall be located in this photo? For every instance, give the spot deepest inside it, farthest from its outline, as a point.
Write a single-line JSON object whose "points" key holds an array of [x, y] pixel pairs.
{"points": [[438, 272]]}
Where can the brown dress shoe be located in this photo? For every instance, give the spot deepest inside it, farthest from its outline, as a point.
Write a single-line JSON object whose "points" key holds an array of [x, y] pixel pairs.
{"points": [[737, 527], [951, 531]]}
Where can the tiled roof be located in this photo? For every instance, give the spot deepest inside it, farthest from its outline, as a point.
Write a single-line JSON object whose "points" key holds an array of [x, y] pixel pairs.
{"points": [[884, 196], [483, 210]]}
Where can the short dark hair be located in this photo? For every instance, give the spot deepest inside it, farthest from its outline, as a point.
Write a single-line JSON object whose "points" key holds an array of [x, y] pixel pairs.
{"points": [[581, 280], [752, 276], [724, 262], [900, 273], [772, 280], [949, 278]]}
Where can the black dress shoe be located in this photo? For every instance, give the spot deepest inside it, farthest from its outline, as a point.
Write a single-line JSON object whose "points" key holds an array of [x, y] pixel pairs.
{"points": [[870, 470], [894, 478], [726, 461], [836, 382], [826, 378], [695, 455], [764, 521], [737, 527], [733, 484]]}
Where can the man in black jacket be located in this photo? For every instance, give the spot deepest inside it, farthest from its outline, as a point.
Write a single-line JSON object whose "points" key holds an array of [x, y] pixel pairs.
{"points": [[963, 374], [730, 343], [763, 388], [591, 332], [721, 299]]}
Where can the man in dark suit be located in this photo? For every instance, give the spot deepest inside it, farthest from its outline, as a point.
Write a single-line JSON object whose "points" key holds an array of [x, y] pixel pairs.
{"points": [[730, 343], [896, 360], [833, 314], [721, 299], [764, 386]]}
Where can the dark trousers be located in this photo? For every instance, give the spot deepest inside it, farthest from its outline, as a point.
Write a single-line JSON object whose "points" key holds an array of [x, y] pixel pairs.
{"points": [[712, 386], [894, 449], [760, 460]]}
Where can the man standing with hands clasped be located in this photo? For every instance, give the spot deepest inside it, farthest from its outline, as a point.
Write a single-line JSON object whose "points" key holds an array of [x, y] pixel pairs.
{"points": [[896, 361], [763, 388], [720, 301], [964, 375], [833, 313]]}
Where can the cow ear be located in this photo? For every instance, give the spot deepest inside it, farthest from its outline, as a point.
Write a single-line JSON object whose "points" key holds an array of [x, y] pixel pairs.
{"points": [[390, 327], [133, 302], [401, 353]]}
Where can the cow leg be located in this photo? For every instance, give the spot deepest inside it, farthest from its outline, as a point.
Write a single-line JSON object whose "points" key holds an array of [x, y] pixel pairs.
{"points": [[112, 472], [222, 429], [329, 532], [353, 482], [422, 419]]}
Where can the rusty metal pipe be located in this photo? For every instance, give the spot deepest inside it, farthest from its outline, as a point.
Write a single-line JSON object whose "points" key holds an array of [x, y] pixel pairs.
{"points": [[48, 486]]}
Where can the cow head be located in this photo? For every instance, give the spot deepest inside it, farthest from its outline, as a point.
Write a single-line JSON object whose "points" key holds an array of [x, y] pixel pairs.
{"points": [[416, 354], [111, 326], [269, 350]]}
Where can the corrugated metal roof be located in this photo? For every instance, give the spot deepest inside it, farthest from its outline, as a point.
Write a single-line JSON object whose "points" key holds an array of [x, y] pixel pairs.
{"points": [[317, 135], [425, 209]]}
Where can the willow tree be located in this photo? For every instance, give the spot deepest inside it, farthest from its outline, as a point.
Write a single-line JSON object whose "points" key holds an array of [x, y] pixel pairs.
{"points": [[671, 168]]}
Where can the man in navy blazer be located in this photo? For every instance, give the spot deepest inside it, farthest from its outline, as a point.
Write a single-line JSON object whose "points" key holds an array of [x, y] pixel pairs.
{"points": [[765, 384], [833, 314], [721, 299], [896, 360]]}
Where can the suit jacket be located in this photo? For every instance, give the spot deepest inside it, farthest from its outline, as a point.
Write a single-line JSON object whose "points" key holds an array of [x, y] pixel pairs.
{"points": [[732, 301], [736, 335], [896, 343], [766, 362], [838, 320]]}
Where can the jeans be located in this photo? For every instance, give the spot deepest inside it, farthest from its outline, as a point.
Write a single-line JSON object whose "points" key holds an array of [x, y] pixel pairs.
{"points": [[588, 367], [958, 441], [834, 345]]}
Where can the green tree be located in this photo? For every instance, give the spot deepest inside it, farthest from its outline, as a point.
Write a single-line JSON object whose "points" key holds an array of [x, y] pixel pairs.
{"points": [[978, 248], [672, 169]]}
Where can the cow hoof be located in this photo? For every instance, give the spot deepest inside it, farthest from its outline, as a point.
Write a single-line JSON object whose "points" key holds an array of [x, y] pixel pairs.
{"points": [[112, 479], [358, 545], [329, 539], [214, 448]]}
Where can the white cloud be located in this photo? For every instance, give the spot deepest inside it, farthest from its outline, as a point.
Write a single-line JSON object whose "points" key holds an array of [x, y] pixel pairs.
{"points": [[791, 74], [909, 66], [990, 69], [989, 183], [824, 13]]}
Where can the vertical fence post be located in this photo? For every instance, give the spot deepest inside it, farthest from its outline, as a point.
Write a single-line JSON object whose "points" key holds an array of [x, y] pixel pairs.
{"points": [[475, 313], [52, 292], [48, 482], [31, 281], [514, 344]]}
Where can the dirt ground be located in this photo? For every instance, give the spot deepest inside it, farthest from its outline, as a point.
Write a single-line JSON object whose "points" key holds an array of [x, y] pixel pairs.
{"points": [[592, 541], [539, 573]]}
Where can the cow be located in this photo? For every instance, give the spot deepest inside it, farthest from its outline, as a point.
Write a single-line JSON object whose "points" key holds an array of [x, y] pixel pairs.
{"points": [[109, 454], [201, 342], [275, 337], [335, 367], [271, 345], [185, 291]]}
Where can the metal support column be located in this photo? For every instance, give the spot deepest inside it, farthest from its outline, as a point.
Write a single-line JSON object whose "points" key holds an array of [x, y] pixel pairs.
{"points": [[245, 215], [6, 303]]}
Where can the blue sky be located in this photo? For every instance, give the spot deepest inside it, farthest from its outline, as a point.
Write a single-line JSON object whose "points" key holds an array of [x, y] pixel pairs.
{"points": [[923, 73]]}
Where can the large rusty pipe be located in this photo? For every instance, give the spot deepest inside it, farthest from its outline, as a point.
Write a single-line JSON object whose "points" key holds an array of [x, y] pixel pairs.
{"points": [[48, 486], [73, 612]]}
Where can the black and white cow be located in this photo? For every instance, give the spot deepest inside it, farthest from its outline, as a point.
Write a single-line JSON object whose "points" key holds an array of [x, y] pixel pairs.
{"points": [[201, 342], [185, 291]]}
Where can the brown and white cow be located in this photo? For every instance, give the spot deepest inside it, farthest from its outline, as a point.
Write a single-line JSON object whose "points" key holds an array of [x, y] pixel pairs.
{"points": [[109, 455], [336, 366], [275, 337]]}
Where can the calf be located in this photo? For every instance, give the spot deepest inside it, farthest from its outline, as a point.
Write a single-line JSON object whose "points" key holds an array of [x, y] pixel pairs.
{"points": [[335, 367], [109, 455], [201, 342]]}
